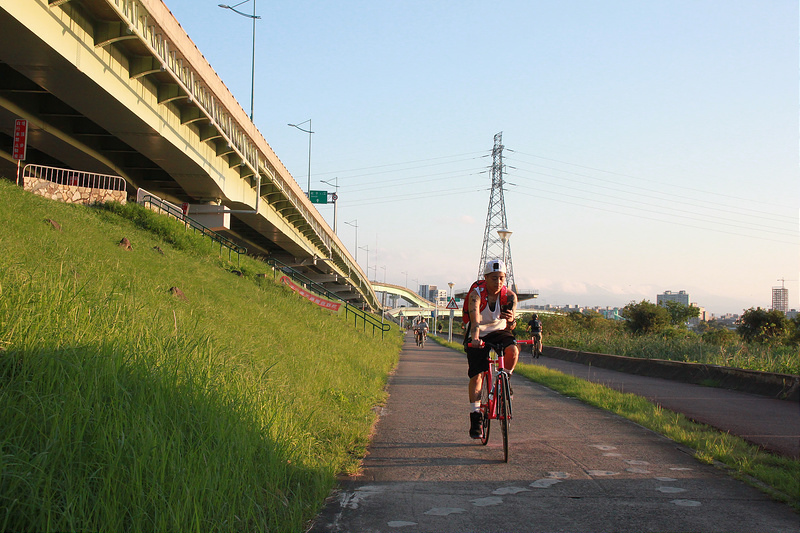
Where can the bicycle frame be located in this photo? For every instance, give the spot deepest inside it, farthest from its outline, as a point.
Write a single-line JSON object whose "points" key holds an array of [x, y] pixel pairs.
{"points": [[490, 377], [495, 397], [530, 342]]}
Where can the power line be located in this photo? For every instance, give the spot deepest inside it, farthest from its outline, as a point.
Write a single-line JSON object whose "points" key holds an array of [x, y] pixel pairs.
{"points": [[561, 199], [344, 173], [671, 207], [749, 200], [685, 199]]}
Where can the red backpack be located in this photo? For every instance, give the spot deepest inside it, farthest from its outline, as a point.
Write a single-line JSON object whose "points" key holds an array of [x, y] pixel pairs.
{"points": [[481, 286]]}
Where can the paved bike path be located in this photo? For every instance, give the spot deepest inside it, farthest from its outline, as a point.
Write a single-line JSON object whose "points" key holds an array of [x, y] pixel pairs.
{"points": [[767, 422], [571, 468]]}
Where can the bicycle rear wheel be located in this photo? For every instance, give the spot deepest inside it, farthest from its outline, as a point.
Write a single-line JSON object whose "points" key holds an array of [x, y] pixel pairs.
{"points": [[503, 410], [485, 420]]}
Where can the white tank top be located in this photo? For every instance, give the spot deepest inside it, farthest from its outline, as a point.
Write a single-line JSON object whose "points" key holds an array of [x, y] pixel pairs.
{"points": [[490, 320]]}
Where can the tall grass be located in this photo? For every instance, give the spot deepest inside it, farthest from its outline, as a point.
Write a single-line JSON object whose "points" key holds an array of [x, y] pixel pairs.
{"points": [[596, 334], [737, 354], [125, 408]]}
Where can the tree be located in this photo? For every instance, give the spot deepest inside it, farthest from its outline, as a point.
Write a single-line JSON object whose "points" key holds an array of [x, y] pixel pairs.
{"points": [[760, 325], [794, 330], [645, 317], [680, 314]]}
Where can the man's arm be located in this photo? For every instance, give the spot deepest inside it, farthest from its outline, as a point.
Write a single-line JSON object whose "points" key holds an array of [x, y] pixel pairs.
{"points": [[474, 309], [511, 313]]}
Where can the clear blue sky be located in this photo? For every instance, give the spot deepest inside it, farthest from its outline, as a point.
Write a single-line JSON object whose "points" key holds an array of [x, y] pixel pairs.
{"points": [[650, 145]]}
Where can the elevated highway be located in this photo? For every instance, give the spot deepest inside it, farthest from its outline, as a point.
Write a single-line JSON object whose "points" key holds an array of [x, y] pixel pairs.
{"points": [[404, 293], [118, 87]]}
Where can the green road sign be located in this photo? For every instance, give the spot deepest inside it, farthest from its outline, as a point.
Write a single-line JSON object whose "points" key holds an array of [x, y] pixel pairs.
{"points": [[318, 197]]}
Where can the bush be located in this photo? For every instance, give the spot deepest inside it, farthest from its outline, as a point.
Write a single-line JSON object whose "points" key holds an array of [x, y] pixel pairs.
{"points": [[720, 337], [646, 317], [760, 325]]}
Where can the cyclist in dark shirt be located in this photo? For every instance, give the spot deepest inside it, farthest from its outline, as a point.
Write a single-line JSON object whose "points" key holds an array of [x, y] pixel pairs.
{"points": [[535, 329]]}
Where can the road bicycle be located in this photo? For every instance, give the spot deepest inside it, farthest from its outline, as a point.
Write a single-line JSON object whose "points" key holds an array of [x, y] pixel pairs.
{"points": [[495, 397], [536, 347]]}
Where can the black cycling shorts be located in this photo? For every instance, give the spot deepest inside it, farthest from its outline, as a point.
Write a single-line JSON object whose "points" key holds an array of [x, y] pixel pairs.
{"points": [[478, 358]]}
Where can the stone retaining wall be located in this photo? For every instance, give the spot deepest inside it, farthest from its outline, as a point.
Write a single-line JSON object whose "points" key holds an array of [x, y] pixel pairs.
{"points": [[73, 194], [781, 386]]}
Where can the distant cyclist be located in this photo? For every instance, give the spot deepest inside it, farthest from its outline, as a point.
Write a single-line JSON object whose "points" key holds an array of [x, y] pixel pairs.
{"points": [[535, 329], [492, 308], [421, 331]]}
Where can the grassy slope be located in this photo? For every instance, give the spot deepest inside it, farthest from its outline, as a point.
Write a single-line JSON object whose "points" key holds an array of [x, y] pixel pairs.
{"points": [[126, 408]]}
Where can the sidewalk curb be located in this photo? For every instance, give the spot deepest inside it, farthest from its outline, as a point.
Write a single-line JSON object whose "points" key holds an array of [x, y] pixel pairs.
{"points": [[774, 385]]}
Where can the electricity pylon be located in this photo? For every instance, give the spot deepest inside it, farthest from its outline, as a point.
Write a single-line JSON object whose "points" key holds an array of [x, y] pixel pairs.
{"points": [[496, 218]]}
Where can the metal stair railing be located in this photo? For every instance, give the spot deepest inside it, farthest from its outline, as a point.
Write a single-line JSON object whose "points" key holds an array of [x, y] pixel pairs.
{"points": [[177, 213], [320, 289]]}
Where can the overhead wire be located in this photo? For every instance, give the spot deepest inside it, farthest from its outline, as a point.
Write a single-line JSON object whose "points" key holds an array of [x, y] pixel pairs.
{"points": [[667, 209], [380, 187], [561, 199], [715, 193], [652, 194]]}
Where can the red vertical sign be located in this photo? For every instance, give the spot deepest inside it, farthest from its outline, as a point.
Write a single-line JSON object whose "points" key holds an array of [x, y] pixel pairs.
{"points": [[20, 139]]}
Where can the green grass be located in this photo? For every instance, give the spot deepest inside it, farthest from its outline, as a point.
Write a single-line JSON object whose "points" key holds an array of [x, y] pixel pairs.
{"points": [[127, 409], [778, 476]]}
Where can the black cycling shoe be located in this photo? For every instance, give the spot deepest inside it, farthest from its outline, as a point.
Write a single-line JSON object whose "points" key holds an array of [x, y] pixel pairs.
{"points": [[475, 421]]}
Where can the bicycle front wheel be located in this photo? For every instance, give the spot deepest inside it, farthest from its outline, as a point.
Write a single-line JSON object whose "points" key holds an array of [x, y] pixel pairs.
{"points": [[504, 410], [485, 418]]}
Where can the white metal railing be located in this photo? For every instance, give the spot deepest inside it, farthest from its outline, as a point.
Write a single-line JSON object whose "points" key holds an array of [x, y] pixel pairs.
{"points": [[78, 178]]}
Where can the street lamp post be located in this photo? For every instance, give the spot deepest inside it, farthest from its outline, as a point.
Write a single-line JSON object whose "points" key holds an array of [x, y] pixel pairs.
{"points": [[366, 248], [254, 17], [452, 314], [504, 233], [383, 301], [354, 223], [308, 191], [335, 198]]}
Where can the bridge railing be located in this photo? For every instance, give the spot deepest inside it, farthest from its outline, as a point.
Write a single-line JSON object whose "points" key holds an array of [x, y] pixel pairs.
{"points": [[157, 204], [349, 309]]}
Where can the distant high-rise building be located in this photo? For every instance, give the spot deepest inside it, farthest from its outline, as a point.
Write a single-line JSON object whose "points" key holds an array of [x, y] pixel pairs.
{"points": [[681, 297], [439, 297], [780, 299], [423, 291], [431, 293]]}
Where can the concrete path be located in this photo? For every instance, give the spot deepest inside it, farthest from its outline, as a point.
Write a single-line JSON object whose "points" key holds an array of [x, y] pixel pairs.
{"points": [[772, 424], [571, 468]]}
